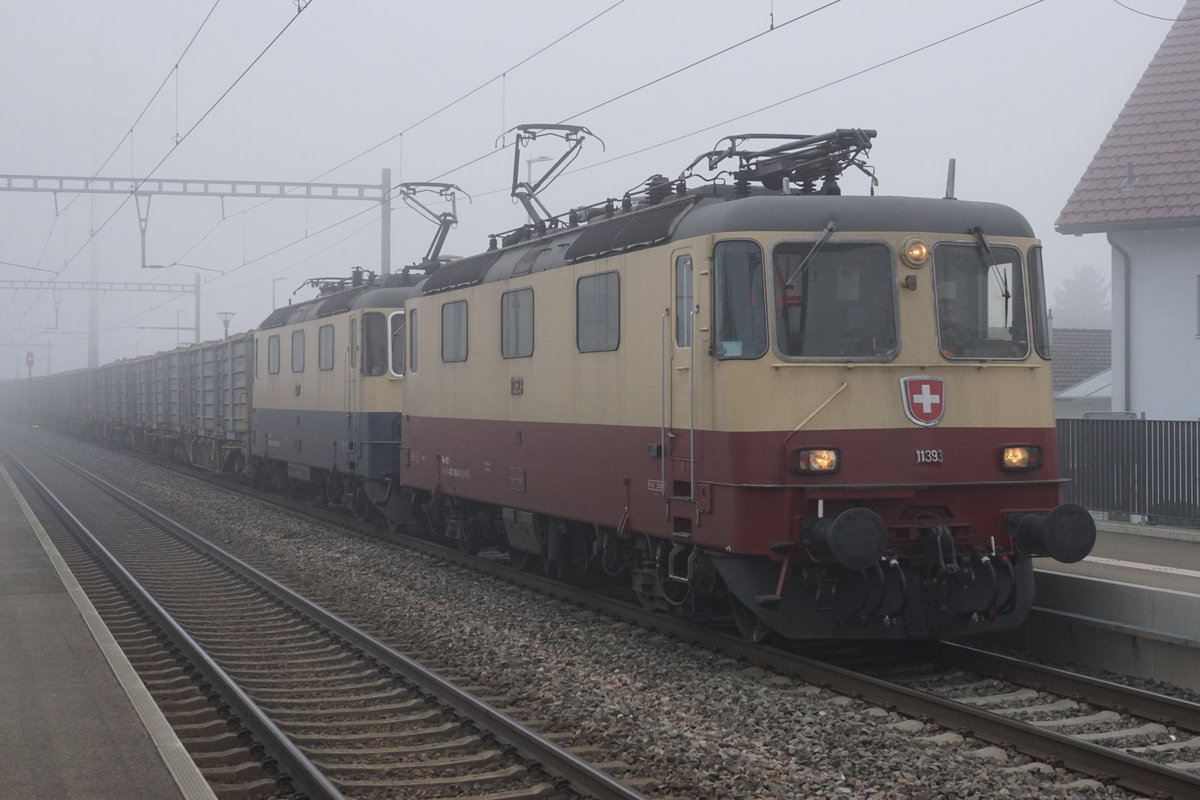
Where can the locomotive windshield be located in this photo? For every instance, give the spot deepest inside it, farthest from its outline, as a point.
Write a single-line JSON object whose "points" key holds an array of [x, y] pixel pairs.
{"points": [[834, 301], [980, 301]]}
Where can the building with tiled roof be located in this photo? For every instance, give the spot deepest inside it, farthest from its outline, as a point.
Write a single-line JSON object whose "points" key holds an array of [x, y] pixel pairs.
{"points": [[1142, 189], [1077, 354], [1080, 368]]}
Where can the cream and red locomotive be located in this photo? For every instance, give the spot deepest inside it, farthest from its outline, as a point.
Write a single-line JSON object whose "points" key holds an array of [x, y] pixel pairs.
{"points": [[825, 416]]}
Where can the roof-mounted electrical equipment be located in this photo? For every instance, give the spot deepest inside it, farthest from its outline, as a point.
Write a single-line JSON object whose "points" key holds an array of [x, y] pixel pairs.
{"points": [[798, 161], [445, 220], [526, 191]]}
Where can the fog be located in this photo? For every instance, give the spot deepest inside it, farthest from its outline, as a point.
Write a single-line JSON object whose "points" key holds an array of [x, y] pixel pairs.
{"points": [[1020, 94]]}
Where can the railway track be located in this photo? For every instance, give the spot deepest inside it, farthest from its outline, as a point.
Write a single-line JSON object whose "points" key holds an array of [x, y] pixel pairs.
{"points": [[328, 710], [1115, 733], [1128, 737]]}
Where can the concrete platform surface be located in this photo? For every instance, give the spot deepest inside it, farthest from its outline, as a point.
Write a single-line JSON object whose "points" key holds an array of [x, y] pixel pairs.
{"points": [[75, 721]]}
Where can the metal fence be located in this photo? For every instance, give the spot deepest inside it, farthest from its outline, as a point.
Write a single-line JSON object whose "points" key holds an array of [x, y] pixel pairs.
{"points": [[1135, 467]]}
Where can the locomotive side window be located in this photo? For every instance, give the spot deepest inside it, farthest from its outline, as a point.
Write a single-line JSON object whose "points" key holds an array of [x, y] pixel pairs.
{"points": [[396, 344], [1037, 301], [325, 347], [353, 342], [739, 305], [273, 354], [683, 301], [412, 340], [297, 351], [454, 331], [834, 301], [980, 301], [375, 343], [598, 312], [516, 323]]}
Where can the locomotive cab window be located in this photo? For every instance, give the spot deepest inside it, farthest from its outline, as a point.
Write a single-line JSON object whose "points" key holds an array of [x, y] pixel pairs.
{"points": [[412, 340], [273, 354], [739, 303], [980, 295], [1037, 302], [834, 300], [683, 301], [396, 343], [375, 343]]}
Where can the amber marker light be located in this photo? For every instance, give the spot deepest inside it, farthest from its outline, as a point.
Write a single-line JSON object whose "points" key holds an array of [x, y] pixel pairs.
{"points": [[1016, 458], [817, 460], [916, 253]]}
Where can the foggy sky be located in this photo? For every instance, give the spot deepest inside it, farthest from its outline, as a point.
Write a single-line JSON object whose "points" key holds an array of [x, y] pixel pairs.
{"points": [[1022, 104]]}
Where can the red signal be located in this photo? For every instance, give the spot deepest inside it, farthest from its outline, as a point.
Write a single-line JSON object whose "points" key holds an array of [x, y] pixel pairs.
{"points": [[29, 358]]}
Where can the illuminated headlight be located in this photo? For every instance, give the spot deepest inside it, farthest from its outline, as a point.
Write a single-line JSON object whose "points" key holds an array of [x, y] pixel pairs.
{"points": [[812, 460], [1020, 457], [915, 253]]}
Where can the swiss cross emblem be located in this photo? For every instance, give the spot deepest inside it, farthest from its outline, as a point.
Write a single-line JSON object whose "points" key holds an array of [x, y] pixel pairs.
{"points": [[924, 398]]}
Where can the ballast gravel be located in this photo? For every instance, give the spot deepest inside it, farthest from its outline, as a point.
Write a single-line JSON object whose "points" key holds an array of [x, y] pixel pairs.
{"points": [[701, 725]]}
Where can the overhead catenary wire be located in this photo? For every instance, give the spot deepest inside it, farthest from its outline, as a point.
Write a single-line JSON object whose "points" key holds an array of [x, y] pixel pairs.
{"points": [[174, 70], [178, 141], [430, 116], [858, 73]]}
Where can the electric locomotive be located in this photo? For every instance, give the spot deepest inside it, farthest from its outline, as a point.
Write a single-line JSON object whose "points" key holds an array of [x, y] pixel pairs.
{"points": [[822, 416], [828, 416]]}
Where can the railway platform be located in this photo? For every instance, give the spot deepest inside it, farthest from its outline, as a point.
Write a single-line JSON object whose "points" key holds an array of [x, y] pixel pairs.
{"points": [[1131, 607], [75, 720]]}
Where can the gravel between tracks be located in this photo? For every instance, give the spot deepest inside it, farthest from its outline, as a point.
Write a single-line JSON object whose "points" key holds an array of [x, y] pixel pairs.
{"points": [[705, 725]]}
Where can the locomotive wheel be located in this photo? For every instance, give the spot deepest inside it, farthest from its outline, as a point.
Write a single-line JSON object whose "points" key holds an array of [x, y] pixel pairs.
{"points": [[360, 506], [749, 625], [521, 560], [470, 540]]}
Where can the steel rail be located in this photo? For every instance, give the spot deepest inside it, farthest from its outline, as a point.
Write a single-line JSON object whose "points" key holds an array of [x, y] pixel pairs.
{"points": [[581, 775], [1138, 702], [303, 775]]}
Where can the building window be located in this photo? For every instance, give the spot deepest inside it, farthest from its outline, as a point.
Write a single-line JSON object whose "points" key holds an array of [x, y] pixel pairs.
{"points": [[396, 343], [683, 301], [325, 347], [598, 312], [412, 340], [273, 354], [454, 331], [375, 343], [516, 323]]}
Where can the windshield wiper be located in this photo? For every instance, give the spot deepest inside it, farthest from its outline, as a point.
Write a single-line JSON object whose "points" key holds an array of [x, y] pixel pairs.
{"points": [[990, 261], [826, 232]]}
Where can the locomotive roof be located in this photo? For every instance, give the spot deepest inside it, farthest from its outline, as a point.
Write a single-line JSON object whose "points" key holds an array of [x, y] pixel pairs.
{"points": [[375, 295], [718, 210]]}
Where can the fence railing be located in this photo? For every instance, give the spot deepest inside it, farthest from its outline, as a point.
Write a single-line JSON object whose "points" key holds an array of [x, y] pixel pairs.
{"points": [[1136, 467]]}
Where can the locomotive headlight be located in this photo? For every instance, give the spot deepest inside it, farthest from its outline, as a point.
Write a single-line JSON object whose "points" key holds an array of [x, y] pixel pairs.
{"points": [[915, 253], [817, 460], [1020, 457]]}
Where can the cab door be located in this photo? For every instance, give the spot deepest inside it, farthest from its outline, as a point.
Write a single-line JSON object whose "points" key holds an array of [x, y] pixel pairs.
{"points": [[346, 454], [680, 384]]}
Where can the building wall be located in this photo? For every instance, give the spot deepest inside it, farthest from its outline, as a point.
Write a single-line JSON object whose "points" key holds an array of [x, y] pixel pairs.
{"points": [[1163, 340]]}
